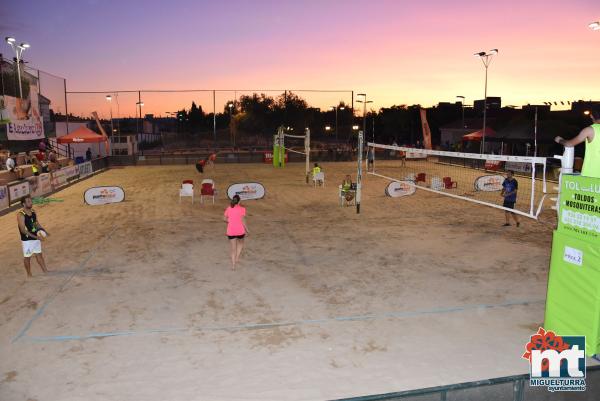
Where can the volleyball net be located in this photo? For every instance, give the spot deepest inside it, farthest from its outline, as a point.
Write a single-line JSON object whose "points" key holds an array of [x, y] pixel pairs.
{"points": [[471, 177]]}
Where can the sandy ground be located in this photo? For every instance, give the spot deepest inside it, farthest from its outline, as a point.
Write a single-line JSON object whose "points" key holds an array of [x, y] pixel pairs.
{"points": [[413, 292]]}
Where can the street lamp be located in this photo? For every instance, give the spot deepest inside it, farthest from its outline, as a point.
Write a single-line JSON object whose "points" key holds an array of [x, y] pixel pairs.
{"points": [[364, 102], [595, 26], [112, 128], [18, 49], [462, 106], [486, 58]]}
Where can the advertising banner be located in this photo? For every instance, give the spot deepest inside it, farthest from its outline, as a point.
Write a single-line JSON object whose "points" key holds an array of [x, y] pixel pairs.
{"points": [[579, 214], [493, 165], [104, 195], [58, 178], [18, 191], [489, 183], [3, 197], [246, 191], [40, 185], [397, 189], [71, 172], [23, 115], [519, 167], [85, 169], [426, 130], [414, 155]]}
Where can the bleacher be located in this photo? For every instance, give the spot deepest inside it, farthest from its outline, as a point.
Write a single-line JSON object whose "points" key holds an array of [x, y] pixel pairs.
{"points": [[8, 177]]}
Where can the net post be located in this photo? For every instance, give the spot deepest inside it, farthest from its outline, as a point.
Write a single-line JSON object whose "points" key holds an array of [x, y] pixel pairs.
{"points": [[532, 187], [359, 172], [307, 151]]}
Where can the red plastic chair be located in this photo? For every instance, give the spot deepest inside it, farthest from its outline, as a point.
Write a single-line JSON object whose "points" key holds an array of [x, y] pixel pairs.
{"points": [[188, 182], [449, 184], [420, 177], [207, 189]]}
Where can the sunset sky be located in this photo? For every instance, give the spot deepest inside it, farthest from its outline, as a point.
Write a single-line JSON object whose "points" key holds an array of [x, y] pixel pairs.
{"points": [[398, 52]]}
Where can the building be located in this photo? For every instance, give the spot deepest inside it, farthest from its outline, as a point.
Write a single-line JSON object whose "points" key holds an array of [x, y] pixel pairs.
{"points": [[581, 106], [493, 103]]}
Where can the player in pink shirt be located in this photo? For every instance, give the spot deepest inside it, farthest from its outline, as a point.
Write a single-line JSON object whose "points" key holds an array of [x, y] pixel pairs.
{"points": [[235, 216]]}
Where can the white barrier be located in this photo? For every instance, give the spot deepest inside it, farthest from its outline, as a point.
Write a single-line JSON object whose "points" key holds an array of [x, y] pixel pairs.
{"points": [[18, 191], [85, 169], [4, 202]]}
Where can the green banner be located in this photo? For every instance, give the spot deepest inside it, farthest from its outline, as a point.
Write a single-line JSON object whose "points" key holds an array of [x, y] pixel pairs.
{"points": [[579, 209], [573, 300]]}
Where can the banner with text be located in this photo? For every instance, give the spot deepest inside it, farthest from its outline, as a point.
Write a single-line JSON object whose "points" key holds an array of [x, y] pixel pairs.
{"points": [[25, 122]]}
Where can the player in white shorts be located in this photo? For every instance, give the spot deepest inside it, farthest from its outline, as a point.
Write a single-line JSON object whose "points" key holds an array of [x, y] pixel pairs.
{"points": [[31, 235]]}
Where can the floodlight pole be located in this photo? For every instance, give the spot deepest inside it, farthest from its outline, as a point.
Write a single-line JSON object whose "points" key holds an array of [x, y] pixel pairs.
{"points": [[359, 170], [486, 59]]}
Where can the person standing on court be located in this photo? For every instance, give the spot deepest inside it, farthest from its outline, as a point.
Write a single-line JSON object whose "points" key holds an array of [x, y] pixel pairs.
{"points": [[235, 216], [591, 162], [509, 192], [31, 235]]}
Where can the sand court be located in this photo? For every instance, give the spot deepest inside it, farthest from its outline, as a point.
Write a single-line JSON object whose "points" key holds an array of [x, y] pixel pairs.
{"points": [[142, 304]]}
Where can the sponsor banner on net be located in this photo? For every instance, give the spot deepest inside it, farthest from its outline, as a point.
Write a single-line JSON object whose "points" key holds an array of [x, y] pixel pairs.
{"points": [[104, 195], [489, 183], [246, 191], [18, 191], [556, 362], [85, 169], [4, 203], [397, 189]]}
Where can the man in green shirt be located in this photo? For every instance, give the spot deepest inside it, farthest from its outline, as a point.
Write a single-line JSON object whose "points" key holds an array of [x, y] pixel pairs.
{"points": [[591, 136]]}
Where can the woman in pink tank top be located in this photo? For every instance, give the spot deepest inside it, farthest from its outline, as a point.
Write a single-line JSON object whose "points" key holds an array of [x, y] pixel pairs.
{"points": [[235, 216]]}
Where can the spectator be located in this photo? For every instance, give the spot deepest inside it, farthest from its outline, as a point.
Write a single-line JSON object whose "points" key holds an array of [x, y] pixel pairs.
{"points": [[28, 158], [42, 146], [88, 154], [52, 156], [11, 165], [36, 167]]}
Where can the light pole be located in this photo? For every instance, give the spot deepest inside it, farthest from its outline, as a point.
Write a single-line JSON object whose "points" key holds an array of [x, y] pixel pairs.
{"points": [[18, 49], [112, 128], [364, 102], [462, 106], [336, 120], [486, 59], [140, 104], [230, 105]]}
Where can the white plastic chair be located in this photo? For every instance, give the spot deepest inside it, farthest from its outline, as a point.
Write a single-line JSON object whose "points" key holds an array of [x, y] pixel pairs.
{"points": [[320, 176], [186, 190]]}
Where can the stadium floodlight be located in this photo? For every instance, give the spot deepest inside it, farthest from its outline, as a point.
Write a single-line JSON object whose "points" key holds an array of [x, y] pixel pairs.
{"points": [[18, 52], [355, 127], [108, 98], [587, 112], [595, 26], [486, 59], [327, 128]]}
